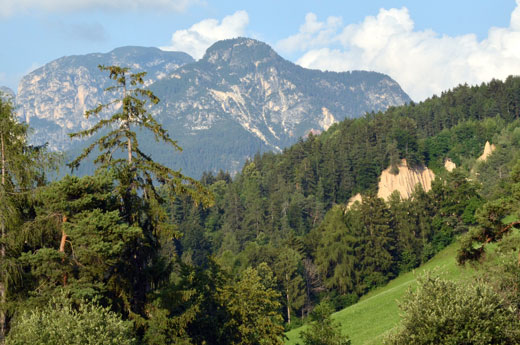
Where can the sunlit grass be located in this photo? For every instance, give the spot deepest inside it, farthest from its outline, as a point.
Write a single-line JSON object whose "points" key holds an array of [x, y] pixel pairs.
{"points": [[375, 314]]}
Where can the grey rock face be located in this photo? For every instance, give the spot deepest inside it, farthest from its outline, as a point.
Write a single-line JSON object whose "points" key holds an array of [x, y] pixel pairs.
{"points": [[239, 99], [53, 99], [271, 101], [7, 94]]}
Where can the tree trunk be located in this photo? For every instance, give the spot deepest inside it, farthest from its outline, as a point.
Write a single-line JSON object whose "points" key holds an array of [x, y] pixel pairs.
{"points": [[62, 246], [3, 297], [127, 125], [129, 148], [288, 309]]}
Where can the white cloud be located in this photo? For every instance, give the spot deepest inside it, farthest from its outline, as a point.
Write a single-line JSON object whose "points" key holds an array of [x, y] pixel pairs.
{"points": [[423, 62], [11, 7], [201, 35], [312, 33]]}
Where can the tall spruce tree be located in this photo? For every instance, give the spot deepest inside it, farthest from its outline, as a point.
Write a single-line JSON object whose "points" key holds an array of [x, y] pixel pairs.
{"points": [[10, 130], [139, 170], [137, 176], [20, 170]]}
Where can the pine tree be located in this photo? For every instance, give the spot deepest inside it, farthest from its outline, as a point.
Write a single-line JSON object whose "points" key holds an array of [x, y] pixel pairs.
{"points": [[21, 168], [78, 241], [286, 268], [137, 176]]}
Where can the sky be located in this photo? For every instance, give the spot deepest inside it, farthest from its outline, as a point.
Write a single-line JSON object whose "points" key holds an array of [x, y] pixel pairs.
{"points": [[426, 46]]}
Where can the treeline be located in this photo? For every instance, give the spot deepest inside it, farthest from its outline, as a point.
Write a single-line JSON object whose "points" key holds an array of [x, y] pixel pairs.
{"points": [[285, 203]]}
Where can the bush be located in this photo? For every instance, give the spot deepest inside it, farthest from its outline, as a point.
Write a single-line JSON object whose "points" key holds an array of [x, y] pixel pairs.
{"points": [[60, 323], [323, 330], [340, 301], [440, 311]]}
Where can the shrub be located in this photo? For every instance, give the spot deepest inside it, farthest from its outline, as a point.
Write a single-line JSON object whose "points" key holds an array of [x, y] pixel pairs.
{"points": [[323, 330], [440, 311], [61, 323]]}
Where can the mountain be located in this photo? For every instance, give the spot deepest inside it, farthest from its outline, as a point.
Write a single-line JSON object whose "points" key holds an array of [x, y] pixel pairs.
{"points": [[239, 99], [7, 93], [242, 98], [53, 98]]}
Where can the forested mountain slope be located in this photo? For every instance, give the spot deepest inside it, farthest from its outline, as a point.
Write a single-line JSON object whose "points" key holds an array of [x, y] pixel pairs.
{"points": [[167, 262], [294, 202]]}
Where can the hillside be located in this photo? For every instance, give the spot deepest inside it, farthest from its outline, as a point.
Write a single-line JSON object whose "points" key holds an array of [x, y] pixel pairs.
{"points": [[367, 321], [289, 209], [276, 240], [293, 191]]}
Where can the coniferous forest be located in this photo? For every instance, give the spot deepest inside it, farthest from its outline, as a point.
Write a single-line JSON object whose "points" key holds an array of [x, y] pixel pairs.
{"points": [[138, 253]]}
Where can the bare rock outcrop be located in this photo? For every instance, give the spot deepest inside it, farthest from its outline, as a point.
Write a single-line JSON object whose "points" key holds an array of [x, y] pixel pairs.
{"points": [[353, 199], [404, 181], [488, 150], [449, 165]]}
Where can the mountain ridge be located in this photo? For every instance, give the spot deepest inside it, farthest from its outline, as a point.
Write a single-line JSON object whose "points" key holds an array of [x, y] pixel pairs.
{"points": [[239, 99], [54, 97], [273, 101]]}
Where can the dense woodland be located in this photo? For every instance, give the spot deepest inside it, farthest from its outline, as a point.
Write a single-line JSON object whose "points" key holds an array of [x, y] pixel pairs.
{"points": [[145, 255], [295, 202]]}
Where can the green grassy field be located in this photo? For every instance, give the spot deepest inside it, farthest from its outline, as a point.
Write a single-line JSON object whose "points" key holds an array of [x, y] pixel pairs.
{"points": [[375, 314]]}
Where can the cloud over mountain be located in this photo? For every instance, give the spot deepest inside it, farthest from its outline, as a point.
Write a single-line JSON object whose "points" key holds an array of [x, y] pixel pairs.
{"points": [[201, 35], [423, 62]]}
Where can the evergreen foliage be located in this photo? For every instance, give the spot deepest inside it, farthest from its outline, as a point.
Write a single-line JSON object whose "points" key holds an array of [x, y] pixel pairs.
{"points": [[207, 306], [495, 219], [299, 194], [278, 238], [79, 241], [23, 167]]}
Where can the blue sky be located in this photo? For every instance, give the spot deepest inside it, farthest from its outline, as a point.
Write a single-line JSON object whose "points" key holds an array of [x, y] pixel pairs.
{"points": [[427, 46]]}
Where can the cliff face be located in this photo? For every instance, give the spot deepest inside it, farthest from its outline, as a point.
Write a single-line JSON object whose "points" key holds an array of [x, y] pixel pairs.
{"points": [[53, 99], [404, 181], [239, 99], [488, 150], [449, 165]]}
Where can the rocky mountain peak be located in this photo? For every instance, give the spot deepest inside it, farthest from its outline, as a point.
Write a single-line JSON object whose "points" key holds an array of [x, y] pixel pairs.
{"points": [[240, 52], [240, 99], [54, 97]]}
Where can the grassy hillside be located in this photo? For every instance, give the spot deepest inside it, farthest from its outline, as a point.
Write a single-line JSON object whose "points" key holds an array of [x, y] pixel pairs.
{"points": [[367, 321]]}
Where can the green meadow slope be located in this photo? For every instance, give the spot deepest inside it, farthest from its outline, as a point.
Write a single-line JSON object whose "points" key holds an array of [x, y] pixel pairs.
{"points": [[375, 314]]}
